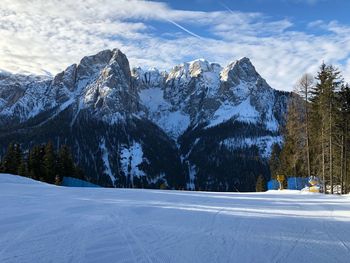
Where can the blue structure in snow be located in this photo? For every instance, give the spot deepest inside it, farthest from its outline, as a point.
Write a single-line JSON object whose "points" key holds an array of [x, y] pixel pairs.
{"points": [[272, 185], [297, 183], [74, 182], [293, 183]]}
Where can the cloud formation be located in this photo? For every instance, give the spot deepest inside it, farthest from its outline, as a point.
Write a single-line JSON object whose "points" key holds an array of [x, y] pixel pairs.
{"points": [[40, 35]]}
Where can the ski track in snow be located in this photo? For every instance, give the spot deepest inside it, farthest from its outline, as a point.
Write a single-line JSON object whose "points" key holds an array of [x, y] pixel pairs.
{"points": [[45, 223]]}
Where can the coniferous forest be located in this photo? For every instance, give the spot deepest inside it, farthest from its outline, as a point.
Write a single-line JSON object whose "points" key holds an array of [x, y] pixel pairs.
{"points": [[316, 135], [42, 162]]}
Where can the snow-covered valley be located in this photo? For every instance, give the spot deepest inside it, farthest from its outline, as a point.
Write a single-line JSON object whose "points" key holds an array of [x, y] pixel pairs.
{"points": [[46, 223]]}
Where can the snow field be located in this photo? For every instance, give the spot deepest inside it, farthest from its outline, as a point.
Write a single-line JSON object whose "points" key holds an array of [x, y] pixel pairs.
{"points": [[46, 223]]}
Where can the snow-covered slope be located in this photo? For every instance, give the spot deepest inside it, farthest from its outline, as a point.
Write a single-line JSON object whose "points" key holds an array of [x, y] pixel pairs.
{"points": [[46, 223]]}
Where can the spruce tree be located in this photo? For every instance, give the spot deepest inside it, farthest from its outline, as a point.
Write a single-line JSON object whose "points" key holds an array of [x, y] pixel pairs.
{"points": [[23, 168], [8, 160], [275, 161], [292, 156], [261, 184], [344, 123], [66, 164], [12, 159], [35, 162], [50, 164], [324, 118], [303, 89]]}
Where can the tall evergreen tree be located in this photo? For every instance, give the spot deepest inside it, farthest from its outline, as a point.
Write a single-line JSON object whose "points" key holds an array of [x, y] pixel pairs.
{"points": [[66, 166], [23, 168], [12, 159], [36, 162], [293, 151], [324, 113], [275, 161], [261, 184], [50, 163], [344, 123], [303, 89]]}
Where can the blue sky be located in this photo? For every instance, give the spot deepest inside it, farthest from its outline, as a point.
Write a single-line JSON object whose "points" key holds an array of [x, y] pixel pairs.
{"points": [[302, 10], [283, 38]]}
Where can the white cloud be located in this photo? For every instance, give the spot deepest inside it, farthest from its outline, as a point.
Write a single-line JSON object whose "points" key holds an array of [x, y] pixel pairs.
{"points": [[43, 35]]}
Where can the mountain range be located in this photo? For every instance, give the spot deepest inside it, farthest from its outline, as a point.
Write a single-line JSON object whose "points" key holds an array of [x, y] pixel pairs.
{"points": [[199, 126]]}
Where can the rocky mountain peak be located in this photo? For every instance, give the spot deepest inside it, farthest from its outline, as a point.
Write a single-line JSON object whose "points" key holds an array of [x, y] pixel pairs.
{"points": [[242, 69], [103, 64], [198, 66], [106, 62], [107, 89]]}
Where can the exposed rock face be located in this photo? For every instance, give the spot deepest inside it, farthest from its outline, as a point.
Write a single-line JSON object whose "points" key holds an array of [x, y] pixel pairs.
{"points": [[198, 126]]}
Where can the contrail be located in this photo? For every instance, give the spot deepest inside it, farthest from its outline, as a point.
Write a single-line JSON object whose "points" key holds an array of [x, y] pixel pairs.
{"points": [[226, 7], [185, 29]]}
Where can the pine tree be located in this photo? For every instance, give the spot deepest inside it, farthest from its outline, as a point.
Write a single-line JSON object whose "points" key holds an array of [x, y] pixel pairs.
{"points": [[50, 164], [66, 164], [344, 123], [275, 161], [23, 168], [261, 184], [292, 156], [36, 162], [303, 89], [12, 159], [8, 161], [324, 112]]}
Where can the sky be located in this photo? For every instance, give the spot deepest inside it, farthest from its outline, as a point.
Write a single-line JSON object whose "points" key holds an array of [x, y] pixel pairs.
{"points": [[283, 38]]}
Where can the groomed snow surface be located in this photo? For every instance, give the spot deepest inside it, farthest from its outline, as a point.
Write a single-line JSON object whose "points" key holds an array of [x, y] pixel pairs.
{"points": [[46, 223]]}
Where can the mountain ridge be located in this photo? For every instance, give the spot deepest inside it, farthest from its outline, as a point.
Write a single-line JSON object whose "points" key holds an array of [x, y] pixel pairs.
{"points": [[181, 107]]}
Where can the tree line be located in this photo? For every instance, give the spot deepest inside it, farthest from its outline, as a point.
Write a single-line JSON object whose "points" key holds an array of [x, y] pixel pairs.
{"points": [[41, 162], [317, 141]]}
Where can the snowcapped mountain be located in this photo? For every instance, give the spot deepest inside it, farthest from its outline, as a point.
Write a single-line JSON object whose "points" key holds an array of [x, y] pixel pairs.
{"points": [[199, 92], [197, 126]]}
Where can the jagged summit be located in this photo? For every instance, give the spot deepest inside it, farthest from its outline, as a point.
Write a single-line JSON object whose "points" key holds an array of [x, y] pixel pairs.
{"points": [[242, 69], [105, 57]]}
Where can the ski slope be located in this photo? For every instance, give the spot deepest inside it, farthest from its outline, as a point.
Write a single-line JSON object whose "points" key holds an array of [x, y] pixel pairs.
{"points": [[46, 223]]}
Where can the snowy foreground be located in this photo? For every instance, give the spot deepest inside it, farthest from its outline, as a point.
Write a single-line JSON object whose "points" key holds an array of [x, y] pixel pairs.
{"points": [[46, 223]]}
